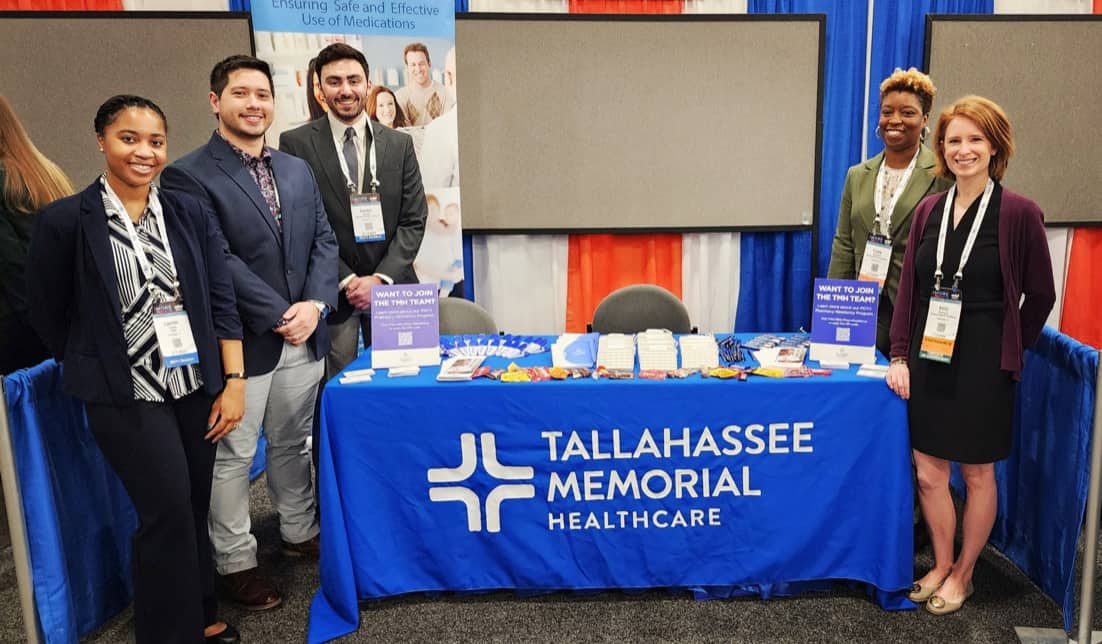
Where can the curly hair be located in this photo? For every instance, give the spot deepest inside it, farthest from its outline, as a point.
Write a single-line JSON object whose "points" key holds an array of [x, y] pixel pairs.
{"points": [[912, 81]]}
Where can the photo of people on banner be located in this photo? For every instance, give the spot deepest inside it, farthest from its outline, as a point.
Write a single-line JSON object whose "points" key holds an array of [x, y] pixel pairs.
{"points": [[411, 88]]}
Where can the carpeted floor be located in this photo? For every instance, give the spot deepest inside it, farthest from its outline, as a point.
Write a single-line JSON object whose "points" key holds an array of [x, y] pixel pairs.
{"points": [[1004, 599]]}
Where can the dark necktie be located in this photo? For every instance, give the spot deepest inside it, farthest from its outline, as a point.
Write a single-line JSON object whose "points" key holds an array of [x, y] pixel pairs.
{"points": [[349, 151]]}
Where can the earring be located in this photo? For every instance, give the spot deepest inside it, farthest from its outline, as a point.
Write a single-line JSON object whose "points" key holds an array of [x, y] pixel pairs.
{"points": [[877, 132], [925, 132]]}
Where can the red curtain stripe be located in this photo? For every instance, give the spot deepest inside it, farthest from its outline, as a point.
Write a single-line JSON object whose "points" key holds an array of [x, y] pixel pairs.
{"points": [[61, 5], [1080, 317], [600, 264], [625, 6]]}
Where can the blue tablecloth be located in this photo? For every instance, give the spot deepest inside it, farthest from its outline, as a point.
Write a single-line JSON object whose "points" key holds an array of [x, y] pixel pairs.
{"points": [[720, 487]]}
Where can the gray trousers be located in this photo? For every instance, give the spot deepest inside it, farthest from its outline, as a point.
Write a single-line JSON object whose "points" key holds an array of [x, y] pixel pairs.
{"points": [[344, 338], [282, 402]]}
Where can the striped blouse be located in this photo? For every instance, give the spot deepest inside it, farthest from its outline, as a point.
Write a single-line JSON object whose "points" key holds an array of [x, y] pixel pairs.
{"points": [[153, 381]]}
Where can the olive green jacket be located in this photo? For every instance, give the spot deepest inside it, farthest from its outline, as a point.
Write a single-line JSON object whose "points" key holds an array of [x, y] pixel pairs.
{"points": [[857, 214]]}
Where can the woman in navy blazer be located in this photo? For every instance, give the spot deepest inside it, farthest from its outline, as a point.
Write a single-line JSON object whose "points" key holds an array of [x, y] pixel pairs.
{"points": [[100, 282]]}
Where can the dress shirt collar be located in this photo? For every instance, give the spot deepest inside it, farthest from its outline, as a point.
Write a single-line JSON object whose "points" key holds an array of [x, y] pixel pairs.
{"points": [[246, 158], [338, 127]]}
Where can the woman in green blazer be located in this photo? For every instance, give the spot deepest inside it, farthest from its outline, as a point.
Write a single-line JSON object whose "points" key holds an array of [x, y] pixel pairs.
{"points": [[881, 193]]}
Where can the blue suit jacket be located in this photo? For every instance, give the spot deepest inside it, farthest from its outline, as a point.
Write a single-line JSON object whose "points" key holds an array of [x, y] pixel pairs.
{"points": [[73, 295], [272, 267]]}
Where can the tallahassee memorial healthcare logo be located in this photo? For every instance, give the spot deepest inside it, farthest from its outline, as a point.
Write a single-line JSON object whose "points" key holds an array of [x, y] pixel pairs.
{"points": [[445, 478], [653, 478]]}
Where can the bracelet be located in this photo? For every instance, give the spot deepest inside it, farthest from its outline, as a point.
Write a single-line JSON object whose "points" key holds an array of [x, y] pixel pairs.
{"points": [[902, 361], [238, 375]]}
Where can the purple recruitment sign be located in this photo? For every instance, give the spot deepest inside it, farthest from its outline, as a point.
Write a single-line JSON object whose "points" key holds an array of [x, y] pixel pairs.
{"points": [[405, 317], [844, 312]]}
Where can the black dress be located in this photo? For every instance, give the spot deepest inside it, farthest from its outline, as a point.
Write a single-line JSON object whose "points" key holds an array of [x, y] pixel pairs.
{"points": [[962, 411]]}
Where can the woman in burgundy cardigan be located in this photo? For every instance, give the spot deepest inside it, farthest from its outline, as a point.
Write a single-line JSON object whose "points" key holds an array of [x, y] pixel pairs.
{"points": [[977, 260]]}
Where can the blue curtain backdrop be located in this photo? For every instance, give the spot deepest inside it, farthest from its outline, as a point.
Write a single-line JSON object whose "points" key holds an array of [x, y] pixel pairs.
{"points": [[899, 40], [776, 270]]}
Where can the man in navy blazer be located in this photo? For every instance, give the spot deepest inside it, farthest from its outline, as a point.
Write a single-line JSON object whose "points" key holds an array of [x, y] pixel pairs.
{"points": [[283, 262]]}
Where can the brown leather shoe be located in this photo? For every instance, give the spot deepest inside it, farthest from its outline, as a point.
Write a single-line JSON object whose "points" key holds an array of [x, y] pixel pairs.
{"points": [[309, 549], [249, 590]]}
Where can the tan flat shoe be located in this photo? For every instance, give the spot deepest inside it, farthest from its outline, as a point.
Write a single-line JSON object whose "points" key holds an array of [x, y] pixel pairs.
{"points": [[938, 605], [920, 593]]}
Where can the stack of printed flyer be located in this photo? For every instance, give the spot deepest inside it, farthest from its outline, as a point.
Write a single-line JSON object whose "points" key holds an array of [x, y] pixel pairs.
{"points": [[616, 351], [699, 352], [781, 357], [459, 368], [657, 350], [574, 350]]}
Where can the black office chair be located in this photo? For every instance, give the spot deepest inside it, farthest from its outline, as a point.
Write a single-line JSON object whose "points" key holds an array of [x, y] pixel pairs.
{"points": [[639, 307], [459, 316]]}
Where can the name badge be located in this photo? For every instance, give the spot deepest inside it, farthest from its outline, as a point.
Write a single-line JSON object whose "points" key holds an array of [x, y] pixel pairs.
{"points": [[367, 218], [174, 337], [940, 333], [877, 260]]}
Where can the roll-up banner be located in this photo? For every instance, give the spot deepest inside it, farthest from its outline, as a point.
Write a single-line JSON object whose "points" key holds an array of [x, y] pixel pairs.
{"points": [[410, 51]]}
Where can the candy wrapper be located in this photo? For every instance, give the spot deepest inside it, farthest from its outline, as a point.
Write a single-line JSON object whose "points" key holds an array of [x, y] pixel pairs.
{"points": [[515, 376], [558, 373], [726, 373], [613, 374], [795, 372]]}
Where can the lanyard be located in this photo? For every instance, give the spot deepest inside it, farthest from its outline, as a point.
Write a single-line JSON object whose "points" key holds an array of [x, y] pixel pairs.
{"points": [[352, 185], [878, 196], [946, 214], [154, 205]]}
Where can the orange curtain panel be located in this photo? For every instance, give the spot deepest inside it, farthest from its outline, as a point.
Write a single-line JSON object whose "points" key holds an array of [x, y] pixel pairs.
{"points": [[600, 264], [626, 6], [1081, 317]]}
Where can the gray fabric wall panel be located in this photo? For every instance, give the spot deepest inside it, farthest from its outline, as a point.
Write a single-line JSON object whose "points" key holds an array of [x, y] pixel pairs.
{"points": [[58, 69], [575, 123], [1043, 70]]}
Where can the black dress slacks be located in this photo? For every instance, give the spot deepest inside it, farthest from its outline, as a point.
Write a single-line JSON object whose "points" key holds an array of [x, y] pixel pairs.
{"points": [[166, 466]]}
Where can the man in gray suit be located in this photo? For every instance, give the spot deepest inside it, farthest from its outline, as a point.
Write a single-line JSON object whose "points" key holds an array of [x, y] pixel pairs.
{"points": [[283, 261], [371, 186]]}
